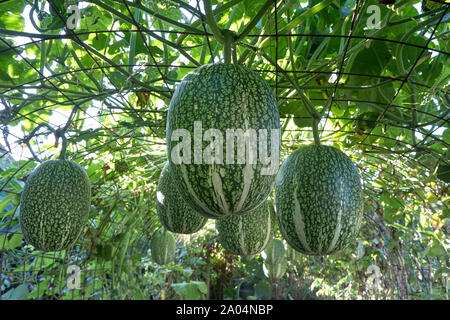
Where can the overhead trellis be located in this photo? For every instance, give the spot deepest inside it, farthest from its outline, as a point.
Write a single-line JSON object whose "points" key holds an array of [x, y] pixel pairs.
{"points": [[103, 88]]}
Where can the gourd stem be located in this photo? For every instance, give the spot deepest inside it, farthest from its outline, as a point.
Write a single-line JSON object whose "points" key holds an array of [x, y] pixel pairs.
{"points": [[62, 155], [315, 128], [62, 133], [234, 53], [227, 45]]}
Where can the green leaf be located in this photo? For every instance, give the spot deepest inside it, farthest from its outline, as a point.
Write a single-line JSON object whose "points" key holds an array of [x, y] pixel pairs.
{"points": [[410, 53], [118, 78], [58, 14], [11, 243], [12, 21], [13, 6], [99, 41], [94, 171], [443, 172], [187, 272], [138, 295], [391, 215], [366, 121], [446, 136], [201, 286], [431, 197], [379, 56], [263, 290], [190, 290], [391, 201], [142, 48], [3, 241], [445, 214], [18, 293], [4, 202], [298, 110], [15, 241], [39, 289], [437, 250], [42, 262]]}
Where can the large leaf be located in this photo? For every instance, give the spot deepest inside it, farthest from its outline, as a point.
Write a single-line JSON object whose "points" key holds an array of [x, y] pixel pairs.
{"points": [[443, 172], [296, 108], [194, 290], [18, 293]]}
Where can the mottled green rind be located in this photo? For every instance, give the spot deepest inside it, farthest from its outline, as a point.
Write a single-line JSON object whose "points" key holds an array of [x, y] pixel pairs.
{"points": [[54, 205], [248, 234], [163, 246], [173, 212], [274, 252], [223, 97], [315, 186]]}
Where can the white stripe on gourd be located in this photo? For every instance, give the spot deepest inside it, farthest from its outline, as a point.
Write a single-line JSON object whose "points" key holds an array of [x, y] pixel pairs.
{"points": [[337, 231], [299, 224], [269, 226], [248, 171], [320, 209], [174, 212], [246, 234], [223, 97], [219, 195], [193, 194], [241, 239], [248, 174]]}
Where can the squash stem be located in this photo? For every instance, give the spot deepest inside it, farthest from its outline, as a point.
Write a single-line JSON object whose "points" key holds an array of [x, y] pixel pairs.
{"points": [[315, 128], [227, 46], [62, 155], [235, 59]]}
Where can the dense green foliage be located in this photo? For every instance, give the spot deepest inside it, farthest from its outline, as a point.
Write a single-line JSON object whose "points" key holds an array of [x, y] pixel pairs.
{"points": [[382, 97], [222, 97], [247, 234], [55, 205], [163, 247], [173, 212], [319, 200]]}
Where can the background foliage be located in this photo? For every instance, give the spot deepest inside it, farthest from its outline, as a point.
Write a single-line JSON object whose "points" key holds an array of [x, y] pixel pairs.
{"points": [[384, 99]]}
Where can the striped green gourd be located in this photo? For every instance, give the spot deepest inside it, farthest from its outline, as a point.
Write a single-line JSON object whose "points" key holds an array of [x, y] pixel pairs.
{"points": [[275, 263], [214, 102], [274, 271], [274, 252], [319, 200], [248, 234], [173, 212], [291, 254], [162, 246], [55, 204]]}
